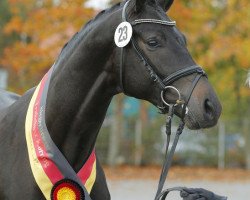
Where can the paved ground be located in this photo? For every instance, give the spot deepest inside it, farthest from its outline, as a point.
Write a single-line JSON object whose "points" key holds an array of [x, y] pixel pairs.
{"points": [[145, 189]]}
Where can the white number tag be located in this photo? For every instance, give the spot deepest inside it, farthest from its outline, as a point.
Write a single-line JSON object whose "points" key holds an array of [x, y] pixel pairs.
{"points": [[123, 34]]}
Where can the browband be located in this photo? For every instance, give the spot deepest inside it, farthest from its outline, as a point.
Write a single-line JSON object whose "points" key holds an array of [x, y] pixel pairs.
{"points": [[155, 21]]}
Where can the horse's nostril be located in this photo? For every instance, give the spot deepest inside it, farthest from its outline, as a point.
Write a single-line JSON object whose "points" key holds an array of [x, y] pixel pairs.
{"points": [[209, 109]]}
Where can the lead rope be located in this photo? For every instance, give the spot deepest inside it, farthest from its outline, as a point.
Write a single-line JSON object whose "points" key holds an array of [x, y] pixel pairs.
{"points": [[168, 157]]}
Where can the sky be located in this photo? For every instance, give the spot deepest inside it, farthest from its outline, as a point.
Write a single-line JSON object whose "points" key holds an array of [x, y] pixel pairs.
{"points": [[97, 4]]}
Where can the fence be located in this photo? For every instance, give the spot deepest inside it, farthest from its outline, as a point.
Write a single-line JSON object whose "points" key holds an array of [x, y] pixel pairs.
{"points": [[226, 145]]}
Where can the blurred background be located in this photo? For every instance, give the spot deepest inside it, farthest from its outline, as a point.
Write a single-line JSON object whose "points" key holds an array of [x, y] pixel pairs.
{"points": [[32, 33]]}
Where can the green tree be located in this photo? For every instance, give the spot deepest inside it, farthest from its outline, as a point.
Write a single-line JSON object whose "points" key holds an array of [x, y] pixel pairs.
{"points": [[5, 16]]}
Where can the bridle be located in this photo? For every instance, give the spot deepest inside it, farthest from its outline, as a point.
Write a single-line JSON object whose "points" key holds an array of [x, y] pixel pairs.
{"points": [[165, 85], [151, 68]]}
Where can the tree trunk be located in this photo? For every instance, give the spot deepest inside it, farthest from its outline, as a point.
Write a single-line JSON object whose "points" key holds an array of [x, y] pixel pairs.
{"points": [[221, 145], [116, 131], [246, 130], [141, 125]]}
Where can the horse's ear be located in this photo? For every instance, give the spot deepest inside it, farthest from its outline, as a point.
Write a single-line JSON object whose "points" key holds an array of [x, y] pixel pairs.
{"points": [[165, 4]]}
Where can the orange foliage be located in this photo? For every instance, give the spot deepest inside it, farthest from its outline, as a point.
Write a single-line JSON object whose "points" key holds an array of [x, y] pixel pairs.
{"points": [[225, 26], [15, 25], [218, 38], [43, 29]]}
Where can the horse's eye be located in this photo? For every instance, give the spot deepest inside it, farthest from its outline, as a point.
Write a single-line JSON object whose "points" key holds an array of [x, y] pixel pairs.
{"points": [[153, 43]]}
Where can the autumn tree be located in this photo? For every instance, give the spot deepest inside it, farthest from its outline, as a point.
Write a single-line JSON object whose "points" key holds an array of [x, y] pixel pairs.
{"points": [[5, 17], [42, 26], [217, 33]]}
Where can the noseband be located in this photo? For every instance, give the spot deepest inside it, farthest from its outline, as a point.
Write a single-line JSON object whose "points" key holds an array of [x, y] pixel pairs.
{"points": [[165, 85]]}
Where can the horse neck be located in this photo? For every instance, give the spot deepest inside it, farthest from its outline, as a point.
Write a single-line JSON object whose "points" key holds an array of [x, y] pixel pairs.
{"points": [[80, 92]]}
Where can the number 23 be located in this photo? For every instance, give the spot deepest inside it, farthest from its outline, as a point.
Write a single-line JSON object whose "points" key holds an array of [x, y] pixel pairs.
{"points": [[123, 31]]}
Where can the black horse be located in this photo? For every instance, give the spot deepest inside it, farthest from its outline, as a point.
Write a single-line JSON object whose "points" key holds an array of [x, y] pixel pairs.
{"points": [[88, 73]]}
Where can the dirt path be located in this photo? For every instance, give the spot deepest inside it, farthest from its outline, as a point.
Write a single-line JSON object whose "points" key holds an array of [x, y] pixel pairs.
{"points": [[178, 173], [130, 183], [145, 189]]}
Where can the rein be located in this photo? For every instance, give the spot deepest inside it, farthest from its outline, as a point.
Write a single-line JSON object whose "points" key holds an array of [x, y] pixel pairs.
{"points": [[165, 85]]}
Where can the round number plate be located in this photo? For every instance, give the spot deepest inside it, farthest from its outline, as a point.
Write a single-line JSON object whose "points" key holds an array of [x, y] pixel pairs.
{"points": [[123, 34]]}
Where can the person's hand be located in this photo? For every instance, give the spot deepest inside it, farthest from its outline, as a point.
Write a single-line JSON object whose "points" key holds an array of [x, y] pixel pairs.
{"points": [[199, 194]]}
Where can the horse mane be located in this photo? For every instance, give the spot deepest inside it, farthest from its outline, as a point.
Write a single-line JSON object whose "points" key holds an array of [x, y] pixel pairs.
{"points": [[67, 48]]}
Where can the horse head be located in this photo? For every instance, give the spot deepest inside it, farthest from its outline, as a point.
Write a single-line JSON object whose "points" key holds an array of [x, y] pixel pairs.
{"points": [[155, 57]]}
